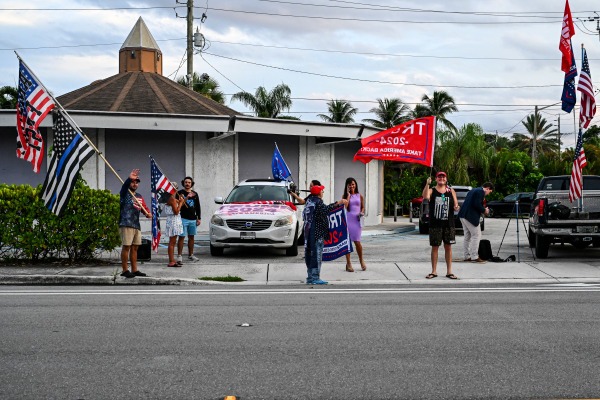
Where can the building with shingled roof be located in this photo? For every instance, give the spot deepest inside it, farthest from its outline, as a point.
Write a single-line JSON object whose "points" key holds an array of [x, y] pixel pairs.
{"points": [[138, 112]]}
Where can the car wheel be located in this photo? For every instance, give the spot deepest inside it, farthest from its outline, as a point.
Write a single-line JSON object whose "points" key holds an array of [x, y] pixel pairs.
{"points": [[491, 213], [216, 251], [542, 244], [423, 228], [292, 251], [531, 238]]}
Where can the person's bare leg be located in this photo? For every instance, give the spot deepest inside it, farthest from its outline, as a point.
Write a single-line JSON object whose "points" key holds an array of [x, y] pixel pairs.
{"points": [[133, 257], [180, 241], [349, 263], [359, 251], [448, 251], [434, 259], [125, 257], [171, 249], [190, 245]]}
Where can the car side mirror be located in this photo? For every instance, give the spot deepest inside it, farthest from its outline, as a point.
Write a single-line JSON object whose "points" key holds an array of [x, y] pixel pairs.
{"points": [[219, 200]]}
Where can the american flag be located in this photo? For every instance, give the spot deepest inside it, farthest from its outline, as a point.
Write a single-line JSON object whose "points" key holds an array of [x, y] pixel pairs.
{"points": [[160, 186], [33, 104], [579, 161], [585, 86], [71, 151]]}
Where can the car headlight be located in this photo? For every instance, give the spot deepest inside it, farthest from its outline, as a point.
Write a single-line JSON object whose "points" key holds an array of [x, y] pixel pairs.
{"points": [[283, 221], [216, 220]]}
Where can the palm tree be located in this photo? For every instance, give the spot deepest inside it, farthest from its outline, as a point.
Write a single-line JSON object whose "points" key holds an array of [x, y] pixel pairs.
{"points": [[462, 151], [267, 104], [340, 111], [8, 97], [390, 112], [205, 85], [546, 140], [439, 106], [419, 111]]}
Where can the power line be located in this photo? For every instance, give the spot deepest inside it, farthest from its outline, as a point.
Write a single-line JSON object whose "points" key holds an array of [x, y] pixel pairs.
{"points": [[382, 82]]}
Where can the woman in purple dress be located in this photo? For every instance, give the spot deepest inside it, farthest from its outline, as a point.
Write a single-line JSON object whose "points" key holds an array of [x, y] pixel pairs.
{"points": [[355, 210]]}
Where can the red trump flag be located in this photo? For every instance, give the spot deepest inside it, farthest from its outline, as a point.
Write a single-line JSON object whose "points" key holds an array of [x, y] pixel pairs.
{"points": [[411, 142]]}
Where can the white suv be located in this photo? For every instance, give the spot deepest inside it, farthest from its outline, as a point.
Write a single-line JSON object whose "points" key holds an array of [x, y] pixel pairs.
{"points": [[257, 213]]}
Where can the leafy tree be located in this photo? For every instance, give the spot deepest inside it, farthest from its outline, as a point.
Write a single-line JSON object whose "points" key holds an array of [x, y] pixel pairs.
{"points": [[267, 104], [389, 113], [440, 105], [591, 134], [340, 111], [419, 111], [463, 153], [546, 140], [205, 85], [8, 97]]}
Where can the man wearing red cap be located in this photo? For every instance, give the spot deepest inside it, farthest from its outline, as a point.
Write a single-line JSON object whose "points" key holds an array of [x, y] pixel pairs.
{"points": [[442, 202], [316, 229]]}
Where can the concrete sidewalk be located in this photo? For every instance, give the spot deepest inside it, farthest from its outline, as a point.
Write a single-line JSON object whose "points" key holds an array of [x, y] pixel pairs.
{"points": [[292, 271]]}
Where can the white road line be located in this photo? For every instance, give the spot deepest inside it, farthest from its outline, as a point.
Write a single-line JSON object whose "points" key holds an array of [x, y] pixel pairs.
{"points": [[322, 291]]}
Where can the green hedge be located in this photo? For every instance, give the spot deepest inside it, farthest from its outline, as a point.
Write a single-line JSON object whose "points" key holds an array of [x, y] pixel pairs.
{"points": [[28, 231]]}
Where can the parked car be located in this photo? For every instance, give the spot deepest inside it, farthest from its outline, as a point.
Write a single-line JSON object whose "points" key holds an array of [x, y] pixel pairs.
{"points": [[506, 206], [257, 213], [461, 193]]}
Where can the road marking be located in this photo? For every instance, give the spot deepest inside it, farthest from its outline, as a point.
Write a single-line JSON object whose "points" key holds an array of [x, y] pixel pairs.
{"points": [[306, 291]]}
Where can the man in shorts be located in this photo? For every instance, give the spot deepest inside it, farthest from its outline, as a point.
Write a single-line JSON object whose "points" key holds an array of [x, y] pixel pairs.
{"points": [[442, 203], [190, 217], [131, 204]]}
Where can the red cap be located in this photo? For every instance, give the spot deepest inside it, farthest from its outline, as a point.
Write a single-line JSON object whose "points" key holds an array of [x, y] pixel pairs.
{"points": [[441, 173], [316, 189]]}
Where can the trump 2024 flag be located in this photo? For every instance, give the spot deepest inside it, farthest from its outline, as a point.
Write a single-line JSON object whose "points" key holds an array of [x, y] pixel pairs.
{"points": [[411, 142]]}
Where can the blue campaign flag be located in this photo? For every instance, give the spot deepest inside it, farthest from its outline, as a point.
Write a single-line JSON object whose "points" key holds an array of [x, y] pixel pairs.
{"points": [[338, 243], [280, 169], [568, 95]]}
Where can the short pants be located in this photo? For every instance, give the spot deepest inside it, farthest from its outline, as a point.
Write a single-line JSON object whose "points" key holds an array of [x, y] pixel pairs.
{"points": [[130, 236], [189, 227], [439, 235]]}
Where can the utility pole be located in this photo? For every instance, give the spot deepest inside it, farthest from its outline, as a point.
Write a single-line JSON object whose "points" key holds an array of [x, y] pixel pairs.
{"points": [[534, 144], [190, 42], [558, 127]]}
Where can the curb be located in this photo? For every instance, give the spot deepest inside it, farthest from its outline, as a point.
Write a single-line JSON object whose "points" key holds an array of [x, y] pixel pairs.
{"points": [[96, 280]]}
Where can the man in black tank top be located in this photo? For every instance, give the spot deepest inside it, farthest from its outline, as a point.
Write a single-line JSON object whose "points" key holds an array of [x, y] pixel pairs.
{"points": [[442, 203]]}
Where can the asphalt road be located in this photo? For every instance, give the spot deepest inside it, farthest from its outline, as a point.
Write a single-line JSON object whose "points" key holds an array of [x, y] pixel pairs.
{"points": [[529, 341]]}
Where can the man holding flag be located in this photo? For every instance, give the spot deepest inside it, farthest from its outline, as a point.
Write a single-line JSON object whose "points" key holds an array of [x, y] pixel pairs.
{"points": [[131, 204]]}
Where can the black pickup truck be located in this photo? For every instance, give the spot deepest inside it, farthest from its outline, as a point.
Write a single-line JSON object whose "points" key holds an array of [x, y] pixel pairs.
{"points": [[554, 219]]}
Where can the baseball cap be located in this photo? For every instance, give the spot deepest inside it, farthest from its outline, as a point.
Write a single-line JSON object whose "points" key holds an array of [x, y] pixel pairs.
{"points": [[441, 173], [316, 189], [136, 180]]}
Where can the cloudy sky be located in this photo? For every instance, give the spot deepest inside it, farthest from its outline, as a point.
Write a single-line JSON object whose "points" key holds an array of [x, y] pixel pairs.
{"points": [[497, 58]]}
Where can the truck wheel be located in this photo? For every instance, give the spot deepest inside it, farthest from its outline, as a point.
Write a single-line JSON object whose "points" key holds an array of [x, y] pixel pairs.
{"points": [[423, 228], [492, 213], [531, 238], [292, 251], [216, 251], [542, 244]]}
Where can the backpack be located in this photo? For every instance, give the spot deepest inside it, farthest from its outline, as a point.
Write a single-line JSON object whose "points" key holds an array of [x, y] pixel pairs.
{"points": [[485, 250]]}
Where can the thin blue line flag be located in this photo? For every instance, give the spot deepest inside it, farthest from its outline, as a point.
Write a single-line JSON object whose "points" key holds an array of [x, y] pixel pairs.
{"points": [[281, 172]]}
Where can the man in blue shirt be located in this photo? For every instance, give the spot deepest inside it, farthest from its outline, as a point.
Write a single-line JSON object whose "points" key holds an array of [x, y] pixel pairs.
{"points": [[131, 204], [469, 214]]}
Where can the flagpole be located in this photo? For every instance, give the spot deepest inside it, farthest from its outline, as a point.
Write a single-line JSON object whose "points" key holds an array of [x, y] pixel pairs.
{"points": [[67, 116]]}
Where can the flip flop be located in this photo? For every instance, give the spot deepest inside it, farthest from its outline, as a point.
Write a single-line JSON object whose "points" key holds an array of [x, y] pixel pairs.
{"points": [[431, 276], [451, 276], [173, 265]]}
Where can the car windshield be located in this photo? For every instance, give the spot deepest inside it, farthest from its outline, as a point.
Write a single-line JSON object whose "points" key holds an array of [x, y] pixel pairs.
{"points": [[511, 197], [249, 193]]}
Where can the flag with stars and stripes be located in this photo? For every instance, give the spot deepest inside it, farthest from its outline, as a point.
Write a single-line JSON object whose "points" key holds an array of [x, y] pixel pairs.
{"points": [[70, 151], [585, 86], [579, 161], [161, 189], [33, 104]]}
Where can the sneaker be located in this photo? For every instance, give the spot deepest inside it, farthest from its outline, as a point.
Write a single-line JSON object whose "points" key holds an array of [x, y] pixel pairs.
{"points": [[193, 258], [128, 274], [479, 261], [179, 258], [139, 273], [320, 282]]}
